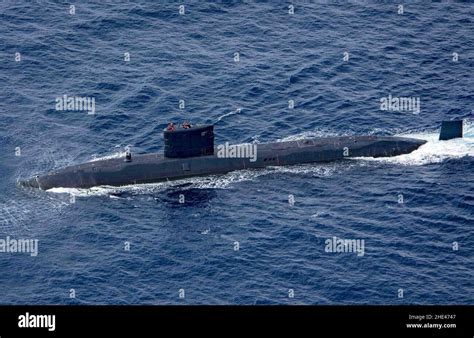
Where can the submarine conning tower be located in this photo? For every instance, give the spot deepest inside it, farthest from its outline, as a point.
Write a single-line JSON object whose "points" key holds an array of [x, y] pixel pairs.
{"points": [[195, 141]]}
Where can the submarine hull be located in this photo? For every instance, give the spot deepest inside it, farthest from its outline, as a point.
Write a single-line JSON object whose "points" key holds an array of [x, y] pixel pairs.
{"points": [[156, 167]]}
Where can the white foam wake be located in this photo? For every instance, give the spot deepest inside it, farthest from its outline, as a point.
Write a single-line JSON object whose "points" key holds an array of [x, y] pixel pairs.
{"points": [[307, 135], [237, 111], [118, 154], [434, 151]]}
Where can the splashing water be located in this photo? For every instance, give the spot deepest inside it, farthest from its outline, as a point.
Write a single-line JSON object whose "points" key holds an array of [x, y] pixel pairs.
{"points": [[434, 151]]}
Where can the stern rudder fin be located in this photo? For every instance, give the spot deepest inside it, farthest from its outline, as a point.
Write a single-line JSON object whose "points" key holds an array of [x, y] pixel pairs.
{"points": [[450, 130]]}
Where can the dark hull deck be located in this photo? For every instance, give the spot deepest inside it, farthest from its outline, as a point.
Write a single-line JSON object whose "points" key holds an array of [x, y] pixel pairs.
{"points": [[150, 168]]}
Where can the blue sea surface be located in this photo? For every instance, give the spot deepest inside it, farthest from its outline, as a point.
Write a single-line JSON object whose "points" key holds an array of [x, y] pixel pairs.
{"points": [[253, 236]]}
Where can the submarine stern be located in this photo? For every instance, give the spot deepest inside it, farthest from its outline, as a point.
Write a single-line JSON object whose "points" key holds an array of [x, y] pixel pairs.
{"points": [[386, 146]]}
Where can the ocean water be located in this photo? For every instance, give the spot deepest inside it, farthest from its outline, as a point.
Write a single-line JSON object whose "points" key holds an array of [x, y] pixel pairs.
{"points": [[190, 249]]}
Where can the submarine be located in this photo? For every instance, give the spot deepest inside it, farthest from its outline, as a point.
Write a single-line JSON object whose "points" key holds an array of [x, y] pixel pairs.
{"points": [[190, 152]]}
